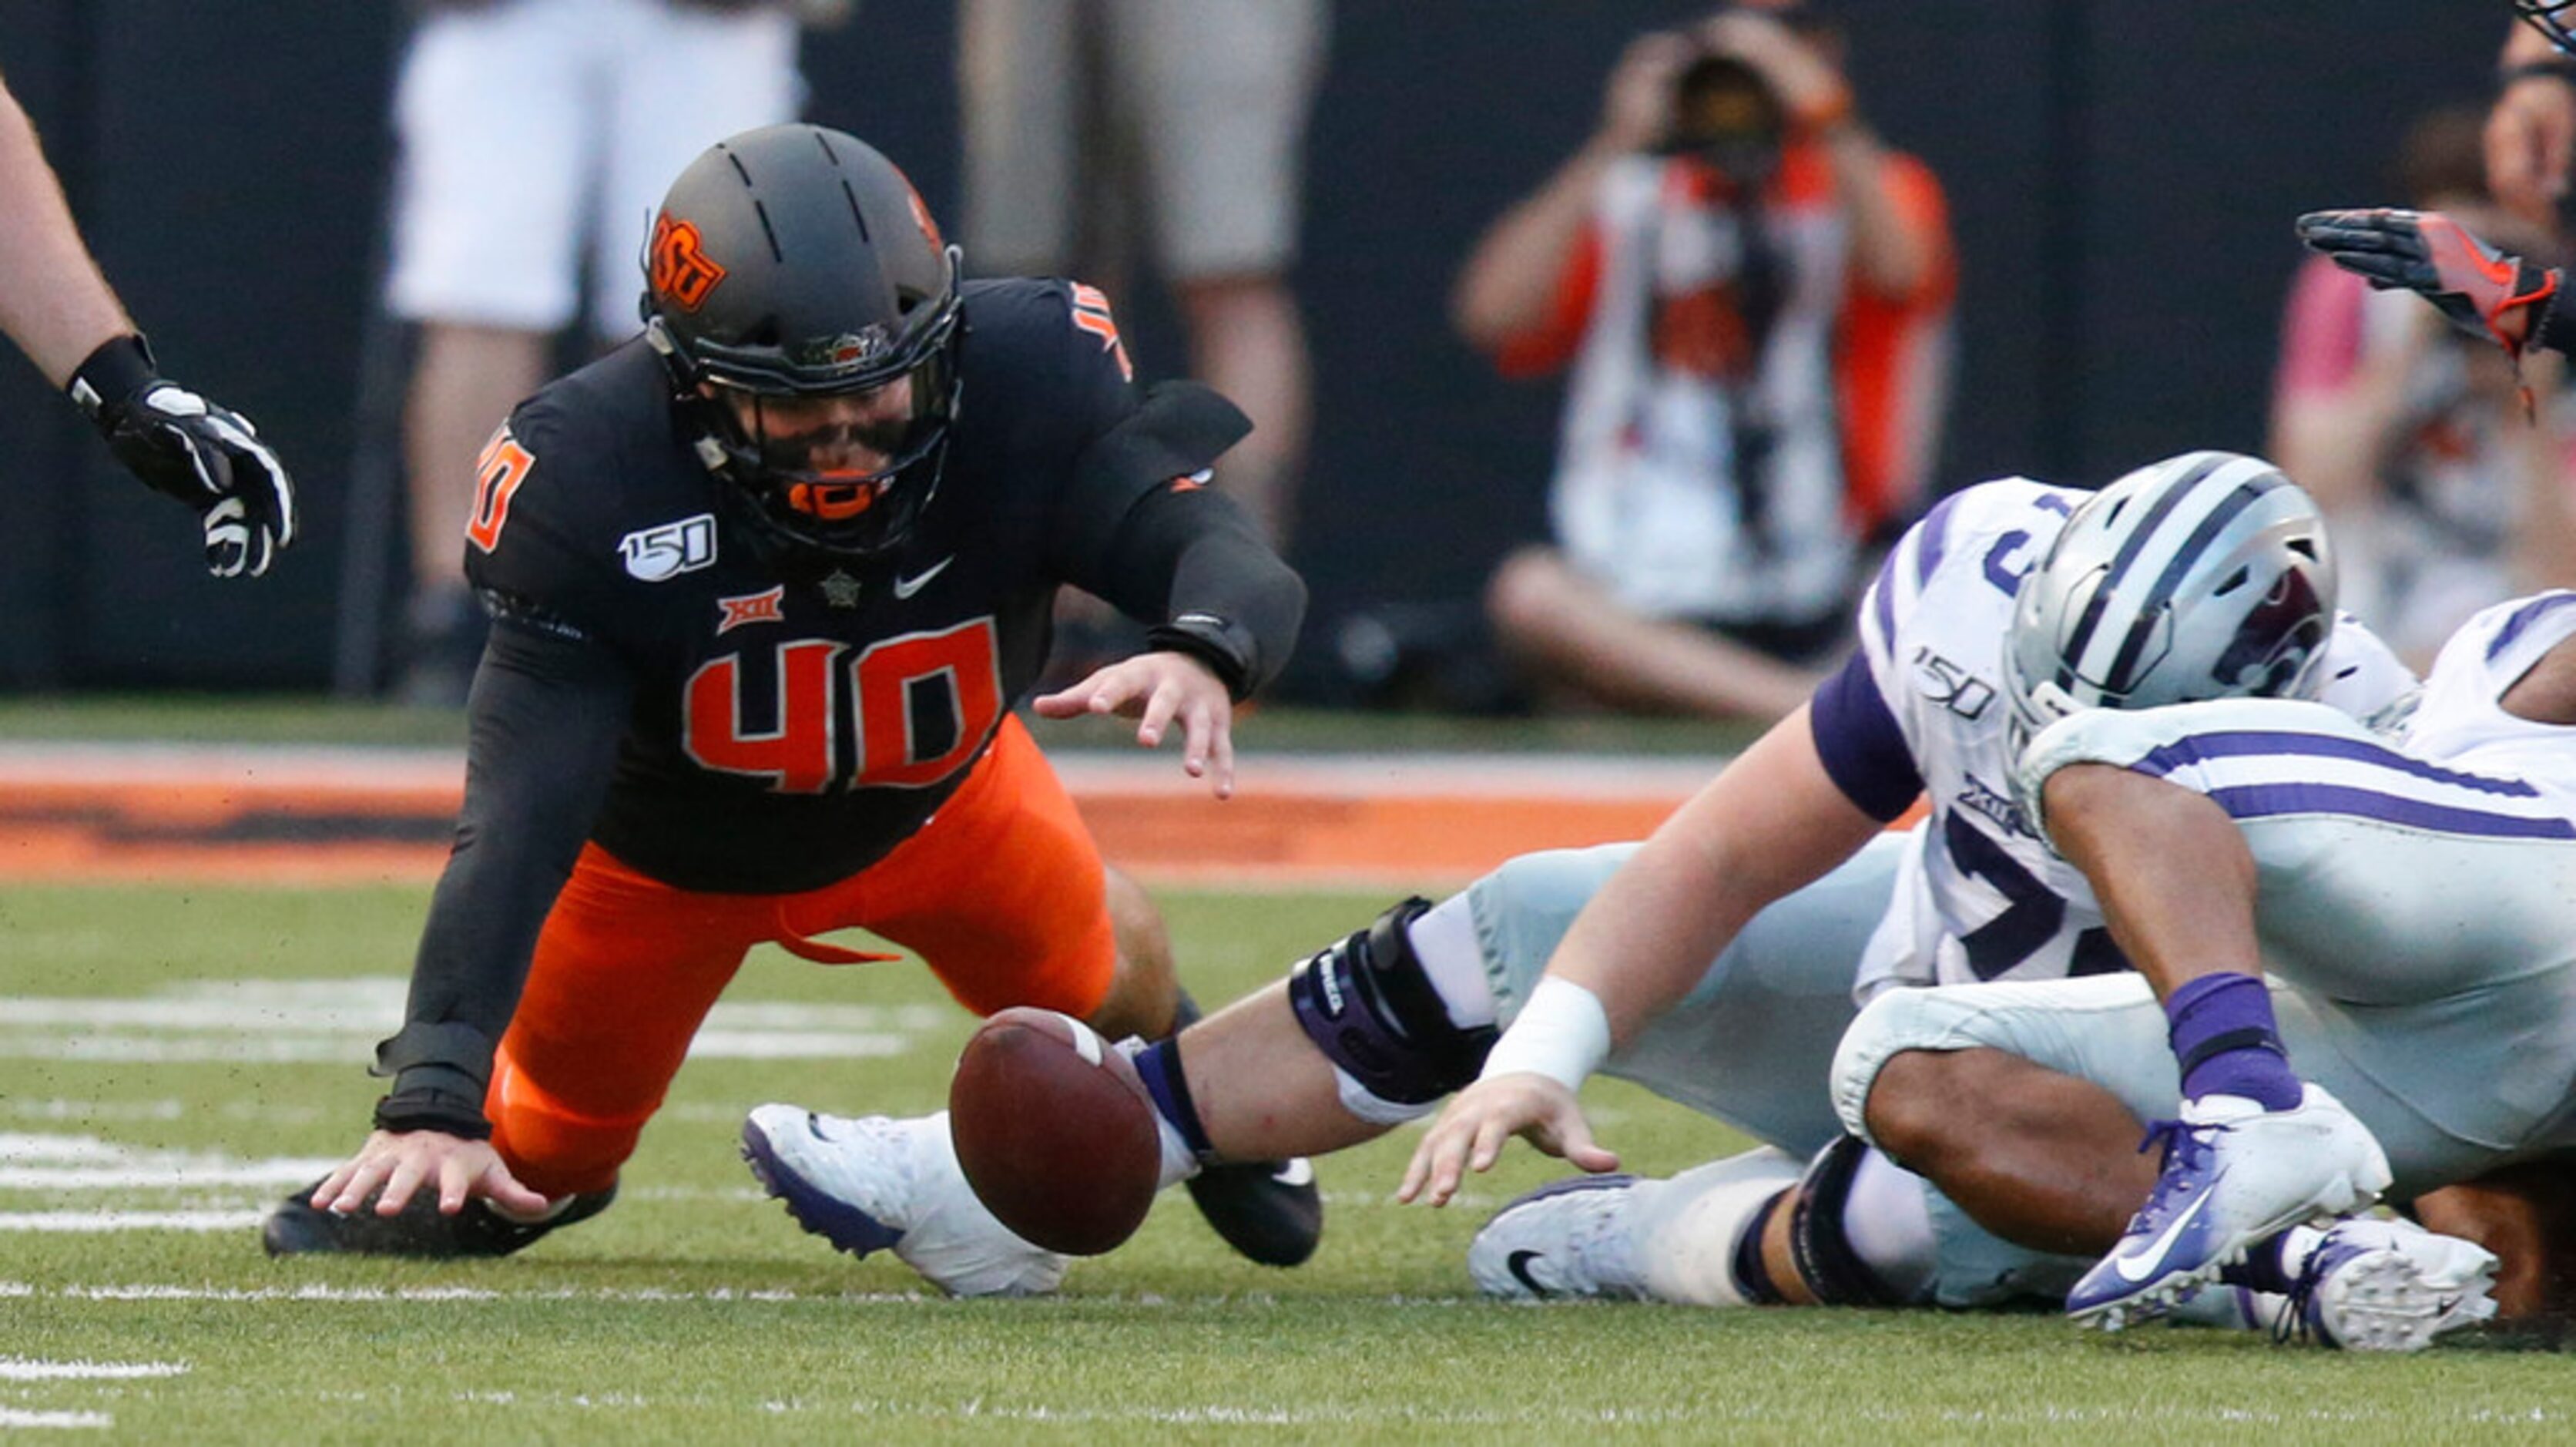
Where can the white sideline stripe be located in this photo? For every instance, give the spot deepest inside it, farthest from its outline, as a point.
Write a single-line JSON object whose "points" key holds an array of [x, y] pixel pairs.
{"points": [[14, 1418], [318, 1292], [337, 1021], [31, 1369], [96, 1222], [372, 1005], [340, 1049]]}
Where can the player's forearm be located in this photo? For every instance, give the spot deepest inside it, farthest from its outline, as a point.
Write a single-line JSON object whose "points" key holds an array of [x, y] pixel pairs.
{"points": [[1191, 565], [547, 717], [1773, 822], [57, 305]]}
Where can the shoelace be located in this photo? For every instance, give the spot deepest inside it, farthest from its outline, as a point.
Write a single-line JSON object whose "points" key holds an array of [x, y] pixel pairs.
{"points": [[2181, 1143], [2293, 1324]]}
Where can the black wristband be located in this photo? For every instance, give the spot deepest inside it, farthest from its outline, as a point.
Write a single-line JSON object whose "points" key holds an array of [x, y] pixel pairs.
{"points": [[119, 368], [2557, 67], [2552, 328], [428, 1108], [1212, 641]]}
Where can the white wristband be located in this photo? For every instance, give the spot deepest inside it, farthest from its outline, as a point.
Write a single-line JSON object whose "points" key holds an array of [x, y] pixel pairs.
{"points": [[1562, 1033]]}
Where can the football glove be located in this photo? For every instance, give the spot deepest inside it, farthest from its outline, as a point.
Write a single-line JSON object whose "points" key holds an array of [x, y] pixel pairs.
{"points": [[2481, 289], [204, 455]]}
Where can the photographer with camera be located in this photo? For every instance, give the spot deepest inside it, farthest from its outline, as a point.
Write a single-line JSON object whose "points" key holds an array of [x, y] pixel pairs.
{"points": [[1698, 263]]}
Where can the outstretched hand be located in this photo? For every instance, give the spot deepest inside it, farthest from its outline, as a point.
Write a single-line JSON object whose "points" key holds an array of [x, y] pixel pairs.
{"points": [[1156, 689], [201, 453], [1469, 1134], [403, 1162], [2484, 291]]}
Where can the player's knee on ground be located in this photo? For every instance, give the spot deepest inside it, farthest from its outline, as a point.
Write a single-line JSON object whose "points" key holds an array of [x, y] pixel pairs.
{"points": [[551, 1148], [1892, 1051], [1369, 1004]]}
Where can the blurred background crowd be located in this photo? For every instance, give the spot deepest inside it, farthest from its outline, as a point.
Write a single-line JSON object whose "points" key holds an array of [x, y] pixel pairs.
{"points": [[1593, 347]]}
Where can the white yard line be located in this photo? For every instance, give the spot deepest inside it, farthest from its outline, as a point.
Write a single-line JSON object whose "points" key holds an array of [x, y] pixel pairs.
{"points": [[32, 1369], [97, 1222], [12, 1418]]}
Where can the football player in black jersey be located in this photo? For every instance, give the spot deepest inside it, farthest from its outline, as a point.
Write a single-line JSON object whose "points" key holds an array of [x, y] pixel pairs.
{"points": [[765, 585]]}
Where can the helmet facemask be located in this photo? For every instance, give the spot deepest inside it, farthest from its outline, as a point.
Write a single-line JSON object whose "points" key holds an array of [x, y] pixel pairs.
{"points": [[852, 484]]}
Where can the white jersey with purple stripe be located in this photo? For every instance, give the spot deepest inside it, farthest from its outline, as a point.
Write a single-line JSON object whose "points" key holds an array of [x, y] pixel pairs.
{"points": [[1921, 710], [2416, 901]]}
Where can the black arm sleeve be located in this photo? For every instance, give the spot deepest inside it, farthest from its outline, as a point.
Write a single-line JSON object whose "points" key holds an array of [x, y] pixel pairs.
{"points": [[547, 711], [1187, 561]]}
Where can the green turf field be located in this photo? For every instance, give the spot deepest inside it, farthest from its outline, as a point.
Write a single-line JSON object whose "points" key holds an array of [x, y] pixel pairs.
{"points": [[176, 1058]]}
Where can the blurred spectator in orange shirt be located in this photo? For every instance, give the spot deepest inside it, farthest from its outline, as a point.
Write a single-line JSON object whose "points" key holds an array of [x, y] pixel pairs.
{"points": [[1695, 262]]}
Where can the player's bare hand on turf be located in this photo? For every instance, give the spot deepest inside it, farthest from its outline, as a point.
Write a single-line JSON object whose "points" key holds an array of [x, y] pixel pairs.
{"points": [[1469, 1134], [1158, 690], [401, 1163], [2486, 292]]}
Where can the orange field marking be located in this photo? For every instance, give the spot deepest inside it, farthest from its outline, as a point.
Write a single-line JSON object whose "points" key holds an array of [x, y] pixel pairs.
{"points": [[261, 815]]}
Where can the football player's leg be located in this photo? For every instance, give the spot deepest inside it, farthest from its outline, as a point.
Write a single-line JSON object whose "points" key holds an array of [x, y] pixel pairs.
{"points": [[1850, 1229], [2440, 897], [2022, 1103], [625, 972]]}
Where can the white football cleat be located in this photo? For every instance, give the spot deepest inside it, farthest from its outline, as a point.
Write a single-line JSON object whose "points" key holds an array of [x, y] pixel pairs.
{"points": [[871, 1183], [2389, 1286], [1568, 1238], [2233, 1174]]}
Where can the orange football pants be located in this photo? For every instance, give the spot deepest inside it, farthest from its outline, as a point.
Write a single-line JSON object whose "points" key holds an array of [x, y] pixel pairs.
{"points": [[1002, 893]]}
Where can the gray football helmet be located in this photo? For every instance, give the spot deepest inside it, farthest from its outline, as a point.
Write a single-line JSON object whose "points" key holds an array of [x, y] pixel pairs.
{"points": [[2202, 576]]}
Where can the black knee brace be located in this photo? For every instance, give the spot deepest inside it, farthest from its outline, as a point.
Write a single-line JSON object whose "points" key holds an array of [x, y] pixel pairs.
{"points": [[1368, 1006]]}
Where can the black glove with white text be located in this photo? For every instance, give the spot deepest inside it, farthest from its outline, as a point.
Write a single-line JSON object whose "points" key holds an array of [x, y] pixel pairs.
{"points": [[183, 445]]}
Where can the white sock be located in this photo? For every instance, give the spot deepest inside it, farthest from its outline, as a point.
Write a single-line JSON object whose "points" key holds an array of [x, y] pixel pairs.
{"points": [[1889, 1226], [1686, 1229], [1444, 940]]}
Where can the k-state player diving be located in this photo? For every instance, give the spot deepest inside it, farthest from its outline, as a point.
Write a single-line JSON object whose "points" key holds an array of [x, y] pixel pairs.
{"points": [[1716, 962]]}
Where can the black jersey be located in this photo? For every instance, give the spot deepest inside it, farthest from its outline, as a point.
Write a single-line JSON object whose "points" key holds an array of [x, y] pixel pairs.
{"points": [[793, 716]]}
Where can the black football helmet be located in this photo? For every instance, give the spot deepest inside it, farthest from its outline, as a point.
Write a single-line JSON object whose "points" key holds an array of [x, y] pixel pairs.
{"points": [[2552, 18], [796, 262]]}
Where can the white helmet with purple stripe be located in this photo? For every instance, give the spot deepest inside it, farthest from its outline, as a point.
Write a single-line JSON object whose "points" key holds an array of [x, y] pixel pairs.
{"points": [[2202, 576]]}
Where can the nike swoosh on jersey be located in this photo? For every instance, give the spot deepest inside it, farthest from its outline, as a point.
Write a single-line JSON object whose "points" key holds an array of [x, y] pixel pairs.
{"points": [[1295, 1171], [905, 587], [1518, 1265], [2138, 1266]]}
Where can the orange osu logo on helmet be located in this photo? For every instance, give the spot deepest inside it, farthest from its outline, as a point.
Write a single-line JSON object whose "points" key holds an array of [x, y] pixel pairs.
{"points": [[682, 271]]}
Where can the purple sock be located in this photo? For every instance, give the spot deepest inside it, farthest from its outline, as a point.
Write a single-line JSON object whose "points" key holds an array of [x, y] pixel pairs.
{"points": [[2223, 1035]]}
